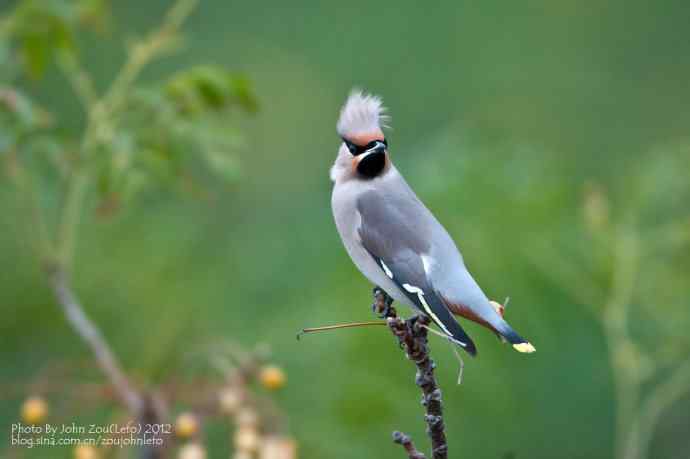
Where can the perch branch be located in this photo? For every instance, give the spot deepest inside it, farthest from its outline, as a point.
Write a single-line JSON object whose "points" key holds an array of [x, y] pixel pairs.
{"points": [[412, 337]]}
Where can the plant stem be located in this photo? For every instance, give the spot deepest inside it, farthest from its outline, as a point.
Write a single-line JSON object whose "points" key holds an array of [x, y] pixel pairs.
{"points": [[70, 216]]}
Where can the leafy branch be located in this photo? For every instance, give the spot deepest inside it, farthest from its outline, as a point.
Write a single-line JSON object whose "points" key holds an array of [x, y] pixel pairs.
{"points": [[112, 157]]}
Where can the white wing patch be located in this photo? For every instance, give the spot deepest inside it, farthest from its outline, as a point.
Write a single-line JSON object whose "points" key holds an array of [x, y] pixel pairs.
{"points": [[386, 269], [420, 295], [426, 262]]}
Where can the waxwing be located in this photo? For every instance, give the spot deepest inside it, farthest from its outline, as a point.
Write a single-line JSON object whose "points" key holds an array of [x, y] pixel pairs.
{"points": [[392, 237]]}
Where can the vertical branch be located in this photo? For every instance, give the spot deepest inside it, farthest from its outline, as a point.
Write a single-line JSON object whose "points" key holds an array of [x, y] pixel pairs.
{"points": [[412, 337]]}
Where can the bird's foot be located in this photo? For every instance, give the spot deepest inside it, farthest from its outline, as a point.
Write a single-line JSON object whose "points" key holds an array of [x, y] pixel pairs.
{"points": [[382, 305], [418, 323]]}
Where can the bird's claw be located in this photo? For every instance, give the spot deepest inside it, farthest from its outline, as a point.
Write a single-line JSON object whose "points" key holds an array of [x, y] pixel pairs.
{"points": [[382, 305], [384, 312]]}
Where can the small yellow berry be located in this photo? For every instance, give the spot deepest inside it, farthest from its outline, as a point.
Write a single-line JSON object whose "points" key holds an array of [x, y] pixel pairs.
{"points": [[186, 425], [192, 451], [278, 447], [34, 410], [230, 400], [595, 207], [272, 377], [85, 452], [247, 418], [246, 439]]}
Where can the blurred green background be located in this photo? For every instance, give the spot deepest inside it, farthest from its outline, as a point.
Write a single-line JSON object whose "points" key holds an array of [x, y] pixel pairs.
{"points": [[538, 132]]}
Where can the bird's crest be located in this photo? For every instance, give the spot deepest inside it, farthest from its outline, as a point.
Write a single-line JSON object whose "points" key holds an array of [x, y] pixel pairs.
{"points": [[361, 114]]}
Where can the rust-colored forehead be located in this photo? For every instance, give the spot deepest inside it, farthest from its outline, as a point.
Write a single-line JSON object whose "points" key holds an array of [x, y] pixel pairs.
{"points": [[365, 138]]}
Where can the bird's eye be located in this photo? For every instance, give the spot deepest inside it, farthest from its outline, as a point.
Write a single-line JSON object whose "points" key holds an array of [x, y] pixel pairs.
{"points": [[373, 143], [357, 150], [351, 146]]}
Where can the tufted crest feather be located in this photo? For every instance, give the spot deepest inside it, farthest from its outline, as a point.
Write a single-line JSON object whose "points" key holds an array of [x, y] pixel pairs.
{"points": [[362, 113]]}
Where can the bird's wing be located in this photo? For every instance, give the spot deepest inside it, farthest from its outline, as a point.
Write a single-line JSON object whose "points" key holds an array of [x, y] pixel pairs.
{"points": [[396, 232]]}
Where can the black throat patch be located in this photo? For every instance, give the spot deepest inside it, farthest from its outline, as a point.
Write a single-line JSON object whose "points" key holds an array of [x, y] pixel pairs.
{"points": [[372, 165]]}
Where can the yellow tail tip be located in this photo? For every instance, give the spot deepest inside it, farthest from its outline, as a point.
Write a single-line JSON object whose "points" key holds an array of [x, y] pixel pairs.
{"points": [[526, 348]]}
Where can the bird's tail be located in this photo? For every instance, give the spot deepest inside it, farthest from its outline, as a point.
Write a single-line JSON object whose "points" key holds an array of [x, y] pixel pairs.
{"points": [[519, 343]]}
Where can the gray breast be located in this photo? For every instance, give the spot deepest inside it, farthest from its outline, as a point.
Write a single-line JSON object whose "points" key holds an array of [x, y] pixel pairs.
{"points": [[348, 222]]}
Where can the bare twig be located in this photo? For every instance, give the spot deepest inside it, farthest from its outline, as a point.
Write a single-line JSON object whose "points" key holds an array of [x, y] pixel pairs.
{"points": [[406, 442], [412, 337], [92, 336], [304, 331]]}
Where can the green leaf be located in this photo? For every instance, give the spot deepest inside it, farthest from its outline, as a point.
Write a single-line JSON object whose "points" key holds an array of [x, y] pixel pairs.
{"points": [[209, 88], [226, 166], [35, 55], [95, 14], [243, 93], [40, 29]]}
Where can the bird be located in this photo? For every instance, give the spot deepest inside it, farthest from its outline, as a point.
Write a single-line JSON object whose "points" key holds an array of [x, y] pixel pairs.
{"points": [[395, 240]]}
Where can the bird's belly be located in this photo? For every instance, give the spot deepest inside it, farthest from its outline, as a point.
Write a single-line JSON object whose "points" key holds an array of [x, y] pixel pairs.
{"points": [[347, 221]]}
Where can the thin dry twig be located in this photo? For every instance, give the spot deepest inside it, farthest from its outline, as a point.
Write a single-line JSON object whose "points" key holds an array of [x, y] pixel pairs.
{"points": [[305, 331]]}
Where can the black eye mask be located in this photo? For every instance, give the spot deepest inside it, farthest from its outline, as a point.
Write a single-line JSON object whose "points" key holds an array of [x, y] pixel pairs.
{"points": [[357, 150]]}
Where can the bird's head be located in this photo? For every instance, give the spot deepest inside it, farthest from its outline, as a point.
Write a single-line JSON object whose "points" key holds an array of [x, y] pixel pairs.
{"points": [[364, 151]]}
